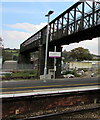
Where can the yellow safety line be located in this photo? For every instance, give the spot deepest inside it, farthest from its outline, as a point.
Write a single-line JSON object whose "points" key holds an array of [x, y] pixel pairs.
{"points": [[50, 86], [10, 92]]}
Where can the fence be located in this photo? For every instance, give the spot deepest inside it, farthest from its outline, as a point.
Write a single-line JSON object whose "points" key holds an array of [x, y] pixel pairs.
{"points": [[13, 65]]}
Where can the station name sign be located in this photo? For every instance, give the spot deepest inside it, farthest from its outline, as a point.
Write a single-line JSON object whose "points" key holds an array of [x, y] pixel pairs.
{"points": [[55, 54]]}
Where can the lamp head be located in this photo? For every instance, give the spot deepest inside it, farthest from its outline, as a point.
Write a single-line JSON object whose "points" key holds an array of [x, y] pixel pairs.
{"points": [[49, 13]]}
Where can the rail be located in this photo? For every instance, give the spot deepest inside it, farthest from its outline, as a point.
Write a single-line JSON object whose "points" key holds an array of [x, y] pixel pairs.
{"points": [[51, 116]]}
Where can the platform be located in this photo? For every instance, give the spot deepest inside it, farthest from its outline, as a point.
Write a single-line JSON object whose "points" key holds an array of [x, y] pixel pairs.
{"points": [[49, 91]]}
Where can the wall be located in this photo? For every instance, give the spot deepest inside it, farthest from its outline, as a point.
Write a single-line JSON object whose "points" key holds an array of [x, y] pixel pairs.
{"points": [[77, 65]]}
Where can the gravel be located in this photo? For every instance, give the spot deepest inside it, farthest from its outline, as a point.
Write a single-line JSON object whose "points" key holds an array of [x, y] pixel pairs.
{"points": [[95, 114], [83, 115]]}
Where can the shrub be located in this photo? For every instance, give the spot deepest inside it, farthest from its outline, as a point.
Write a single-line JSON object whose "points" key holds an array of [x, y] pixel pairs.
{"points": [[73, 72]]}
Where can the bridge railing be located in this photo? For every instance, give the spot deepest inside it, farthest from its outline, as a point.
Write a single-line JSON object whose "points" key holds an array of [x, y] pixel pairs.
{"points": [[80, 16], [75, 19], [34, 40]]}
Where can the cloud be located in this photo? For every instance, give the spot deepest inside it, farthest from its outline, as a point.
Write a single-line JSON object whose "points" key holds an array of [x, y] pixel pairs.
{"points": [[92, 45], [13, 39], [27, 27]]}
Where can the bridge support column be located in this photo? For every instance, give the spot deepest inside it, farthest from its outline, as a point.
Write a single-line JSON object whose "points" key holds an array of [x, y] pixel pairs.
{"points": [[58, 62], [50, 60], [41, 60], [50, 63], [24, 58], [24, 61]]}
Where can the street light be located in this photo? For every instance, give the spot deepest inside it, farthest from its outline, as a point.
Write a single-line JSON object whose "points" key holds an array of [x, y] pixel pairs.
{"points": [[47, 38]]}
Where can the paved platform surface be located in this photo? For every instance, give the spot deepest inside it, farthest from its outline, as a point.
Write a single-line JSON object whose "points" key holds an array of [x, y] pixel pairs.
{"points": [[49, 91], [30, 85]]}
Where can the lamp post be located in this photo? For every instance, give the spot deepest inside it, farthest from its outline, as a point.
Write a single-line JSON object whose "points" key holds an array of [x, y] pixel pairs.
{"points": [[47, 38]]}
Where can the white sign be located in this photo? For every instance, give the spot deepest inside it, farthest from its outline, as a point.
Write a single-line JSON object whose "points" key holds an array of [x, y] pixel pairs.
{"points": [[54, 54]]}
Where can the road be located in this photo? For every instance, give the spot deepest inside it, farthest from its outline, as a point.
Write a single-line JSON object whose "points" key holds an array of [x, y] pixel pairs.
{"points": [[39, 84]]}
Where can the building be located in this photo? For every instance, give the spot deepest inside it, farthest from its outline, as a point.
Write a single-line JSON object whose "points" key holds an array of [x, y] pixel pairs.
{"points": [[10, 65], [83, 65], [78, 65]]}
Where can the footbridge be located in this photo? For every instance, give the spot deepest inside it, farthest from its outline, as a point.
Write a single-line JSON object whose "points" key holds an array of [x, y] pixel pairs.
{"points": [[79, 22]]}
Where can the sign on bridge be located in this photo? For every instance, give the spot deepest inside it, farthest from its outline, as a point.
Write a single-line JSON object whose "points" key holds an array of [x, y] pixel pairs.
{"points": [[55, 54]]}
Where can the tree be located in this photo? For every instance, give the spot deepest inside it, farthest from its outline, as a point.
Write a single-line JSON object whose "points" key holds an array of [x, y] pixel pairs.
{"points": [[1, 45], [66, 55], [6, 55], [80, 54]]}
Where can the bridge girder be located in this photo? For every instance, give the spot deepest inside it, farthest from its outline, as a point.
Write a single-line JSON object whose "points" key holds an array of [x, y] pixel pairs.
{"points": [[72, 21]]}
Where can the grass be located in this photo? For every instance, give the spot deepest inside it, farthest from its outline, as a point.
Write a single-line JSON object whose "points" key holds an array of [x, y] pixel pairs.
{"points": [[20, 75], [24, 73]]}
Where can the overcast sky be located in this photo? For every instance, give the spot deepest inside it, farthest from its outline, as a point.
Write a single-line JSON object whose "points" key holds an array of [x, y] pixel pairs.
{"points": [[22, 19]]}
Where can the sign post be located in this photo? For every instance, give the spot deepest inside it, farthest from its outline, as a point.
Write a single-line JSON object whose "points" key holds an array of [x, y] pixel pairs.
{"points": [[55, 64], [54, 55]]}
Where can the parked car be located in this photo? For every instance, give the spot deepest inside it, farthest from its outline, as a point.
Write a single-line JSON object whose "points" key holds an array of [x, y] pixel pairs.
{"points": [[93, 75], [69, 76]]}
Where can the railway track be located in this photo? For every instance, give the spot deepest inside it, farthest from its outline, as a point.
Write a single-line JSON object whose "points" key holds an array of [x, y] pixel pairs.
{"points": [[64, 115], [50, 106]]}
